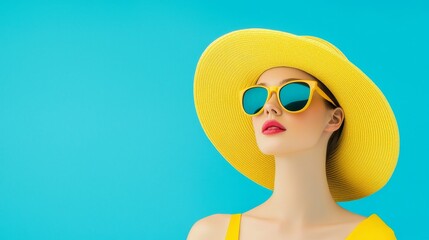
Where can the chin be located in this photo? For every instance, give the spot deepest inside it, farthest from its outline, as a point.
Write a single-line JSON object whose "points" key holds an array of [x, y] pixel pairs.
{"points": [[273, 149], [278, 146], [277, 151]]}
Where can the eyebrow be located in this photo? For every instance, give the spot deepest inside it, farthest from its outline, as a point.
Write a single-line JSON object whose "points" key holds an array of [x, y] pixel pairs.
{"points": [[283, 81]]}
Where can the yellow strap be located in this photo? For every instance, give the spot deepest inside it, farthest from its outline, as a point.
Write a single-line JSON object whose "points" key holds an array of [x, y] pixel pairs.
{"points": [[234, 227], [372, 228]]}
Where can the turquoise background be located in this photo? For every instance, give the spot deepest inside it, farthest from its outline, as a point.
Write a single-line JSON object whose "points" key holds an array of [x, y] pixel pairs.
{"points": [[99, 138]]}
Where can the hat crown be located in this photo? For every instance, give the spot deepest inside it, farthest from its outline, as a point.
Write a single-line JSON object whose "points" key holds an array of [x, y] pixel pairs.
{"points": [[325, 44]]}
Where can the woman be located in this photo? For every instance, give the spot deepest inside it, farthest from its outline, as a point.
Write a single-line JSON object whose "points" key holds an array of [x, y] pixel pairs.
{"points": [[270, 103]]}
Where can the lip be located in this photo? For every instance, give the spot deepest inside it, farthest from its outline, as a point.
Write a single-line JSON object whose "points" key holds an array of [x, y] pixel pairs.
{"points": [[272, 123]]}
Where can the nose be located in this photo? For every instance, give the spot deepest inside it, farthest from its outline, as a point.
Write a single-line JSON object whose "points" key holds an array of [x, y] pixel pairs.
{"points": [[272, 106]]}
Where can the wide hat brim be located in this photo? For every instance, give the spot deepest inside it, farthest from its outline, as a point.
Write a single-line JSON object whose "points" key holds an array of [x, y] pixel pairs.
{"points": [[369, 144]]}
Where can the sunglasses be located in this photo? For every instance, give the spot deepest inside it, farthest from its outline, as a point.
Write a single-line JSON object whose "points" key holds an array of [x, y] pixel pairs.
{"points": [[294, 96]]}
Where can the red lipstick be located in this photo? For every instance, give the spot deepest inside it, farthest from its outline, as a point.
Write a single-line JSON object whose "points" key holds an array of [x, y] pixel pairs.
{"points": [[272, 127]]}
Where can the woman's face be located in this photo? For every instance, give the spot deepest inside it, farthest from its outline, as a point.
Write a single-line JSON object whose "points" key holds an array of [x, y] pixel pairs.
{"points": [[303, 130]]}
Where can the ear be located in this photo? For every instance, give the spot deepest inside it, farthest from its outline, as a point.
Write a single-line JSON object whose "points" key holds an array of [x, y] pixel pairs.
{"points": [[336, 119]]}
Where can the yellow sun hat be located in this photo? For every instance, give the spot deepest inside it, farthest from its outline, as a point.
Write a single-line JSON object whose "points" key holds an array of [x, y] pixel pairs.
{"points": [[368, 148]]}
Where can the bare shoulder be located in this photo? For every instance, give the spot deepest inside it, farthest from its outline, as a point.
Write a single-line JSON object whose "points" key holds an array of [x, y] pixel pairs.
{"points": [[212, 227]]}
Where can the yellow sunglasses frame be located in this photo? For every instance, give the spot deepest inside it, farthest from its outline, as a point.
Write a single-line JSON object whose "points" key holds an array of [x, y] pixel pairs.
{"points": [[275, 89]]}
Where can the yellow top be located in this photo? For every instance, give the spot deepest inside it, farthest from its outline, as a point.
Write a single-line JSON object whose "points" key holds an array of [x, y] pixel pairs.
{"points": [[372, 228]]}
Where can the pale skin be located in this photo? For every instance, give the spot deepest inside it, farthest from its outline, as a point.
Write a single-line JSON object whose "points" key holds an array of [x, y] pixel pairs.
{"points": [[301, 206]]}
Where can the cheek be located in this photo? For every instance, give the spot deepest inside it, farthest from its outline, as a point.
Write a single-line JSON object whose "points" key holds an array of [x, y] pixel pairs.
{"points": [[312, 120], [304, 126], [257, 124]]}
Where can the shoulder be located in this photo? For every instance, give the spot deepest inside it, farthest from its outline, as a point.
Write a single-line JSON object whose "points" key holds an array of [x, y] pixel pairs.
{"points": [[213, 227], [373, 228]]}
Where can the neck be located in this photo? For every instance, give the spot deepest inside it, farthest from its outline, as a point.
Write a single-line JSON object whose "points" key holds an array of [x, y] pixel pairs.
{"points": [[301, 193]]}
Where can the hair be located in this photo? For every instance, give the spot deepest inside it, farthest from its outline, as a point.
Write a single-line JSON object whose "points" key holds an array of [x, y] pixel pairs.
{"points": [[335, 137]]}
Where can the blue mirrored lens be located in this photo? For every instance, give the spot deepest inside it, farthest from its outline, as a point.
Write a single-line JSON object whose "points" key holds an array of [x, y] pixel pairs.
{"points": [[254, 99], [294, 96]]}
